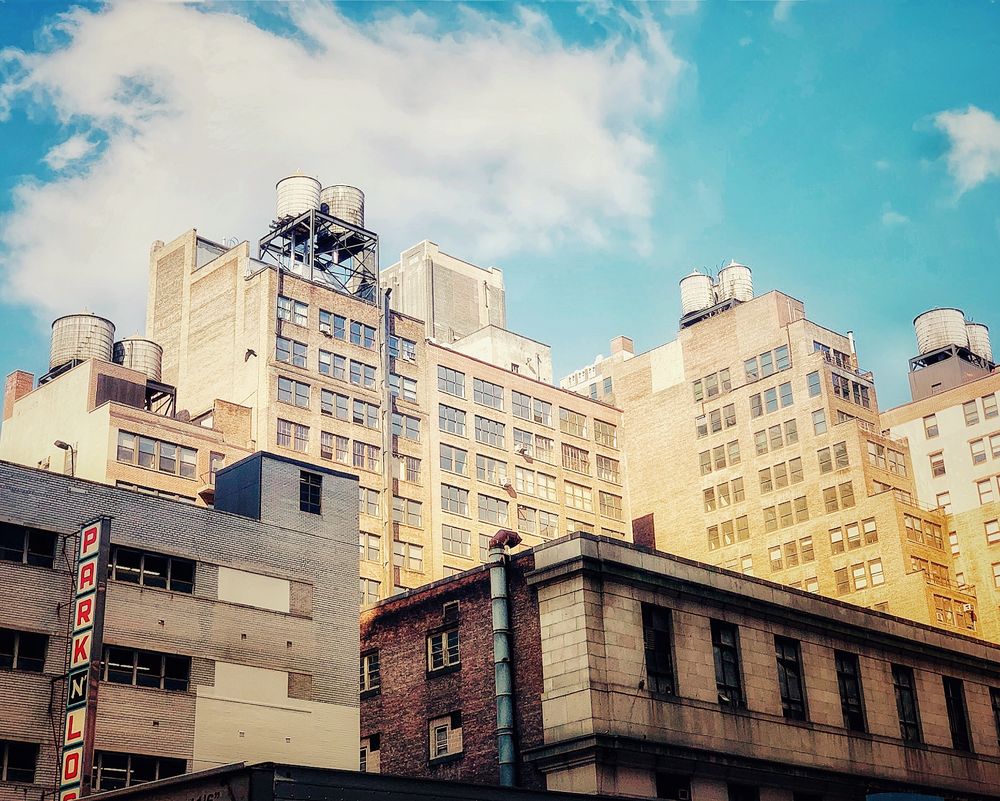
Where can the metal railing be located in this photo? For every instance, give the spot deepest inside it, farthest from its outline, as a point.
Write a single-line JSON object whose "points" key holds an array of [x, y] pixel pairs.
{"points": [[937, 581]]}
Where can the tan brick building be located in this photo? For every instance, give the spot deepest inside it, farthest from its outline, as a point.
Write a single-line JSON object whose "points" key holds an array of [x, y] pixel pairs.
{"points": [[227, 637], [644, 674], [753, 442]]}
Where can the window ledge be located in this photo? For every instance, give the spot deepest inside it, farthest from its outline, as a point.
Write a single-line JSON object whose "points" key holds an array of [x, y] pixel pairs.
{"points": [[372, 693], [443, 671], [444, 760]]}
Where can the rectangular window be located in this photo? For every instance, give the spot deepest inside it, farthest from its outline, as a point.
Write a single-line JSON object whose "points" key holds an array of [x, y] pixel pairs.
{"points": [[487, 394], [608, 469], [575, 459], [937, 464], [368, 502], [443, 649], [294, 311], [371, 674], [541, 412], [790, 685], [401, 348], [456, 541], [451, 420], [958, 716], [813, 384], [22, 650], [611, 505], [492, 510], [658, 646], [363, 335], [970, 410], [579, 497], [370, 590], [291, 352], [489, 432], [364, 414], [992, 528], [294, 392], [725, 648], [607, 434], [370, 546], [146, 669], [402, 387], [851, 698], [406, 511], [17, 762], [571, 422], [548, 524], [454, 460], [151, 569], [362, 375], [455, 500], [520, 405], [906, 704], [977, 448], [408, 556], [819, 421], [990, 406], [113, 771], [332, 324], [405, 426], [451, 381], [445, 736], [930, 426], [546, 487]]}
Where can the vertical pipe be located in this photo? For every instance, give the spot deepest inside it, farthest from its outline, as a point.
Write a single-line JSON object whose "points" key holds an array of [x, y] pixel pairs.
{"points": [[503, 673], [385, 331]]}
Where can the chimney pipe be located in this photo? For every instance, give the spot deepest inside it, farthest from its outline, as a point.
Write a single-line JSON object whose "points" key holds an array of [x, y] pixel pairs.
{"points": [[502, 670]]}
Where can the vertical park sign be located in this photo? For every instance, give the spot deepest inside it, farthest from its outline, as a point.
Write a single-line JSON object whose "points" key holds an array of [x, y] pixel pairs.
{"points": [[85, 653]]}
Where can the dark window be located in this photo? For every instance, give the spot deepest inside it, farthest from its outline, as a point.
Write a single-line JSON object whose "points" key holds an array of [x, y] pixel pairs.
{"points": [[958, 716], [849, 680], [146, 669], [677, 788], [17, 761], [995, 702], [657, 640], [906, 704], [793, 699], [151, 569], [443, 649], [371, 674], [113, 771], [725, 645], [310, 492], [28, 546], [742, 792], [22, 650]]}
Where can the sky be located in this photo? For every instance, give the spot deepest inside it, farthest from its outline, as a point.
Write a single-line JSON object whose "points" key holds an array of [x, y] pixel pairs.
{"points": [[848, 152]]}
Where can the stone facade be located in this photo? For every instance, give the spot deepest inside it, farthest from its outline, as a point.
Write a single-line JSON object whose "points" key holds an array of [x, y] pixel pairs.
{"points": [[258, 619], [631, 701]]}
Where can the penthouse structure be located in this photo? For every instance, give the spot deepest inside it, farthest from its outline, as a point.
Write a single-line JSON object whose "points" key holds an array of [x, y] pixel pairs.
{"points": [[226, 637], [753, 442]]}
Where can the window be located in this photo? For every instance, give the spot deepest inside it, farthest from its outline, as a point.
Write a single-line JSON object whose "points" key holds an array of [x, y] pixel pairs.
{"points": [[443, 649], [369, 591], [572, 423], [611, 505], [362, 375], [455, 500], [333, 364], [402, 348], [456, 541], [364, 414], [406, 511], [575, 459], [294, 311], [490, 432], [520, 405], [408, 556], [18, 761], [371, 674], [451, 381], [451, 420], [292, 352], [294, 392], [990, 407], [157, 455], [526, 519], [28, 546], [402, 387], [985, 488], [992, 528], [977, 447], [608, 469], [906, 704], [541, 412], [445, 736], [332, 324], [363, 335], [930, 426], [579, 497], [790, 686], [548, 524], [406, 427], [607, 434], [311, 491], [971, 412], [492, 510], [487, 394], [958, 716], [146, 669], [367, 457], [657, 643], [151, 569], [937, 464], [368, 502], [851, 700], [371, 545], [819, 421], [292, 435], [813, 384], [113, 771], [22, 650], [725, 647]]}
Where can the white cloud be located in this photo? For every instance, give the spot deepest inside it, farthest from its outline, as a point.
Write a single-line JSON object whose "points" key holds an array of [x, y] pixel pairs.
{"points": [[974, 153], [892, 218], [682, 8], [746, 41], [72, 150], [492, 139], [882, 165], [782, 8]]}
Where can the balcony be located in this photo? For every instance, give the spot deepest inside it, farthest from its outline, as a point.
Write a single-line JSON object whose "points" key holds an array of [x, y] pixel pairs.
{"points": [[865, 375], [936, 581]]}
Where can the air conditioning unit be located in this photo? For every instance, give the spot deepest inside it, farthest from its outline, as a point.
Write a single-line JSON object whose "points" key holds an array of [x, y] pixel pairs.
{"points": [[325, 328], [966, 607]]}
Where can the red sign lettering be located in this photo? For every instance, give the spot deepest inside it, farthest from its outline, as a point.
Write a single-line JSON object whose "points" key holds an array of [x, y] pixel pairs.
{"points": [[70, 795], [87, 578], [75, 722], [88, 541], [81, 649], [84, 612], [71, 765]]}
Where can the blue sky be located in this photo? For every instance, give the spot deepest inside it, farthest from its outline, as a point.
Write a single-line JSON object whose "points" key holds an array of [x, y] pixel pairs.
{"points": [[848, 152]]}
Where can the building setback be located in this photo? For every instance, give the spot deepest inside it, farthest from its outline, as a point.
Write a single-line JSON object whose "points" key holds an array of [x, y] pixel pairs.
{"points": [[657, 676], [227, 637]]}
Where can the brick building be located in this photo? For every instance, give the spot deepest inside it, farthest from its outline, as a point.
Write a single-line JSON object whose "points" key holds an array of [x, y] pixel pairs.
{"points": [[643, 674], [227, 637], [768, 430]]}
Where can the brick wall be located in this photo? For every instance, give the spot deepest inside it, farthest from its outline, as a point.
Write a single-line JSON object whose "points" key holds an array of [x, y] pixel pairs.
{"points": [[409, 699]]}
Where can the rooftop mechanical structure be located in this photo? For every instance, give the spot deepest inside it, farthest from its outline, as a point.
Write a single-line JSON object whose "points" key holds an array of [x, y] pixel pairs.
{"points": [[319, 235]]}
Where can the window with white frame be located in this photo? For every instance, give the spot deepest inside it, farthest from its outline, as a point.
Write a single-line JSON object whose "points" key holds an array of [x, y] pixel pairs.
{"points": [[291, 352], [451, 420], [579, 497], [293, 311], [451, 381], [454, 460], [457, 541], [489, 432], [486, 394], [455, 500]]}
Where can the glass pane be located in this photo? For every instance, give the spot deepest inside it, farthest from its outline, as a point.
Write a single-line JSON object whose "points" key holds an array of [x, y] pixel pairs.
{"points": [[143, 769], [41, 548], [119, 667], [154, 571], [114, 771], [128, 565], [181, 575], [149, 670]]}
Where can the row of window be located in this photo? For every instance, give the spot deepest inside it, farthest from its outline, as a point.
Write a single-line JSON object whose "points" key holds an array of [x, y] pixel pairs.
{"points": [[155, 454], [720, 457], [791, 554], [770, 400], [297, 312], [923, 531], [724, 494], [850, 390], [767, 364]]}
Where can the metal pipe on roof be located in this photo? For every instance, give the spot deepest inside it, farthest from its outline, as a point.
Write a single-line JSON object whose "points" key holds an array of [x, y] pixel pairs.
{"points": [[502, 669]]}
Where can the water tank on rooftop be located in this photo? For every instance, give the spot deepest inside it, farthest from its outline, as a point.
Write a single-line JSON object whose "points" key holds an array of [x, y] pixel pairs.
{"points": [[296, 195], [140, 354], [78, 337], [736, 282], [345, 203], [939, 328], [979, 340], [697, 292]]}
